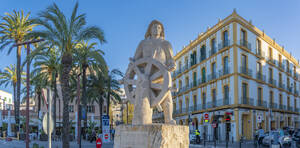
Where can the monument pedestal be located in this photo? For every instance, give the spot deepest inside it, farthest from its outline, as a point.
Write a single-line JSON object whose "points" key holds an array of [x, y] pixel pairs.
{"points": [[151, 136]]}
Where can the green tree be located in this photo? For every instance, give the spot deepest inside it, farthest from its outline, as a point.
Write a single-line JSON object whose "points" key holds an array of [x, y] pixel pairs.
{"points": [[113, 86], [87, 57], [9, 76], [14, 28], [65, 34]]}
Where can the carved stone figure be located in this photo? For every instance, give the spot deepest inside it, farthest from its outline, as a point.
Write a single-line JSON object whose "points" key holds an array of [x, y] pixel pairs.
{"points": [[148, 77]]}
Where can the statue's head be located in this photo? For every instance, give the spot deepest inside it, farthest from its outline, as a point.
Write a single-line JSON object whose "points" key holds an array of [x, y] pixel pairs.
{"points": [[155, 30]]}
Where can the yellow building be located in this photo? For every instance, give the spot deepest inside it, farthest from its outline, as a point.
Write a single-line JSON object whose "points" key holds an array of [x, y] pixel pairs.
{"points": [[235, 68]]}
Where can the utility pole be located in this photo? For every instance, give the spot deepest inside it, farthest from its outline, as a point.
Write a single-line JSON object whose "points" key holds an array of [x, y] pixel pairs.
{"points": [[28, 85]]}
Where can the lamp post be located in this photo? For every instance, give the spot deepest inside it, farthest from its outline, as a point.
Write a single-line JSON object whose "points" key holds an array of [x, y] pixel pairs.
{"points": [[28, 85]]}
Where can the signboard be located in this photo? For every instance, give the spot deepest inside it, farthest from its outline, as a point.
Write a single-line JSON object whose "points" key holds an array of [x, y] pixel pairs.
{"points": [[105, 129], [206, 117], [259, 118], [214, 125], [45, 120], [83, 111]]}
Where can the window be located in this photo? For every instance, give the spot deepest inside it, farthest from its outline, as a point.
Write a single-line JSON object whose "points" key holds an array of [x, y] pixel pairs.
{"points": [[288, 65], [280, 100], [91, 109], [271, 75], [225, 65], [244, 61], [244, 90], [213, 69], [180, 106], [258, 47], [271, 98], [195, 102], [213, 45], [270, 54], [193, 58], [204, 100], [226, 95], [259, 96], [179, 65], [288, 82], [203, 53], [186, 62], [194, 79], [280, 59], [258, 68], [71, 108], [243, 38], [203, 75], [280, 80], [187, 103], [225, 39], [180, 84], [295, 103], [288, 101], [214, 100], [187, 81]]}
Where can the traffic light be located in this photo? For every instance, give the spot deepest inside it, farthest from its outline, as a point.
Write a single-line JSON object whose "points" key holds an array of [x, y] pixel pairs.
{"points": [[228, 118], [228, 127]]}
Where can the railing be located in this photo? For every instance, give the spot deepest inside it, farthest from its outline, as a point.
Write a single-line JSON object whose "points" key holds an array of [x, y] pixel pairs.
{"points": [[247, 101], [290, 89], [260, 53], [290, 108], [202, 57], [212, 51], [246, 71], [224, 44], [274, 105], [280, 65], [262, 103], [224, 71], [296, 109], [212, 76], [281, 85], [296, 92], [281, 106], [272, 81], [260, 76], [271, 60], [246, 44], [222, 102]]}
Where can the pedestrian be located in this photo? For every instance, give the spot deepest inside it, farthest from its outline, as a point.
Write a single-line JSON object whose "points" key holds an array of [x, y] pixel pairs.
{"points": [[197, 133]]}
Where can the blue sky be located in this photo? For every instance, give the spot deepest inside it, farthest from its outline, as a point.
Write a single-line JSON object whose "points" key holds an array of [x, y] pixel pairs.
{"points": [[125, 21]]}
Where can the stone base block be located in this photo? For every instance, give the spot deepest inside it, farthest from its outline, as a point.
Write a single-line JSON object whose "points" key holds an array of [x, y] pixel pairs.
{"points": [[152, 136]]}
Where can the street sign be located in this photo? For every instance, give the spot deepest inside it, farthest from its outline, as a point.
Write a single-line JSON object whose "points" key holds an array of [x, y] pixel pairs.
{"points": [[105, 129], [259, 118], [45, 124], [206, 116], [214, 125]]}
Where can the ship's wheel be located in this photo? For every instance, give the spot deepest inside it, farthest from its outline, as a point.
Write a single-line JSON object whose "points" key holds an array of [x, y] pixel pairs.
{"points": [[147, 73]]}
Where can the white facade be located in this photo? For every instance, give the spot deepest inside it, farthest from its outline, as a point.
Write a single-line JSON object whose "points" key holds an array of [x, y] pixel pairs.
{"points": [[6, 100]]}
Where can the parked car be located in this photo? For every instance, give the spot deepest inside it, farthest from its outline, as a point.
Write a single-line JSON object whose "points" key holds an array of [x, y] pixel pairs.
{"points": [[272, 138], [259, 135], [285, 140]]}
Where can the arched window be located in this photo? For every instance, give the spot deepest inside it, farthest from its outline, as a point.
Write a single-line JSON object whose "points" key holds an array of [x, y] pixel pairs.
{"points": [[203, 53]]}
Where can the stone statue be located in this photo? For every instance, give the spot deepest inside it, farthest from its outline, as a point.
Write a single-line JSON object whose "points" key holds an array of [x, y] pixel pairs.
{"points": [[150, 72]]}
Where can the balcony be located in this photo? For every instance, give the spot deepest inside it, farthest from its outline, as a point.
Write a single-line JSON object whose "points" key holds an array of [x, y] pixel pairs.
{"points": [[272, 61], [247, 101], [202, 57], [289, 89], [262, 103], [224, 44], [281, 106], [260, 76], [273, 105], [245, 44], [281, 85], [224, 71], [212, 76], [246, 71], [222, 102], [272, 82], [296, 92], [289, 108], [281, 66], [296, 109], [212, 51], [260, 53]]}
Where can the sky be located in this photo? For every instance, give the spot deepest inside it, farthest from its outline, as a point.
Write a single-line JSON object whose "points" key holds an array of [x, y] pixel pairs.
{"points": [[125, 22]]}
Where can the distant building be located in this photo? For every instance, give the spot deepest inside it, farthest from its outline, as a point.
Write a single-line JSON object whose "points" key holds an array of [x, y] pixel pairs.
{"points": [[6, 100]]}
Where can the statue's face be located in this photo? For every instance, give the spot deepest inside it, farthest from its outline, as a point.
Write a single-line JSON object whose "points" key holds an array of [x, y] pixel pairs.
{"points": [[156, 30]]}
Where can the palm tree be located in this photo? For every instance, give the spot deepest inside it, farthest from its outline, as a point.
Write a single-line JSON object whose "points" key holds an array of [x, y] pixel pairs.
{"points": [[14, 29], [65, 34], [113, 86], [46, 66], [87, 57], [9, 76]]}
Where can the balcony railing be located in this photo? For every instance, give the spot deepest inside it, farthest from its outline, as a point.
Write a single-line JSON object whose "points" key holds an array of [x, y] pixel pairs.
{"points": [[271, 60], [212, 76], [281, 106], [222, 102], [296, 92], [245, 44], [280, 65], [281, 85], [262, 103], [260, 53], [260, 76], [224, 44], [247, 101], [274, 105], [289, 89], [246, 71], [272, 81], [224, 71], [212, 51], [296, 109], [202, 57], [290, 108]]}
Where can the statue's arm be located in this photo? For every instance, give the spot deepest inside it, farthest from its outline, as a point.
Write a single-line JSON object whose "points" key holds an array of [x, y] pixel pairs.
{"points": [[169, 56], [138, 52]]}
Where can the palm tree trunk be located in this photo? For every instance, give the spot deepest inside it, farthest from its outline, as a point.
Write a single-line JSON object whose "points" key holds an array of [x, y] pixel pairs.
{"points": [[66, 68], [84, 99], [39, 105], [54, 102], [15, 103], [17, 109], [101, 113]]}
